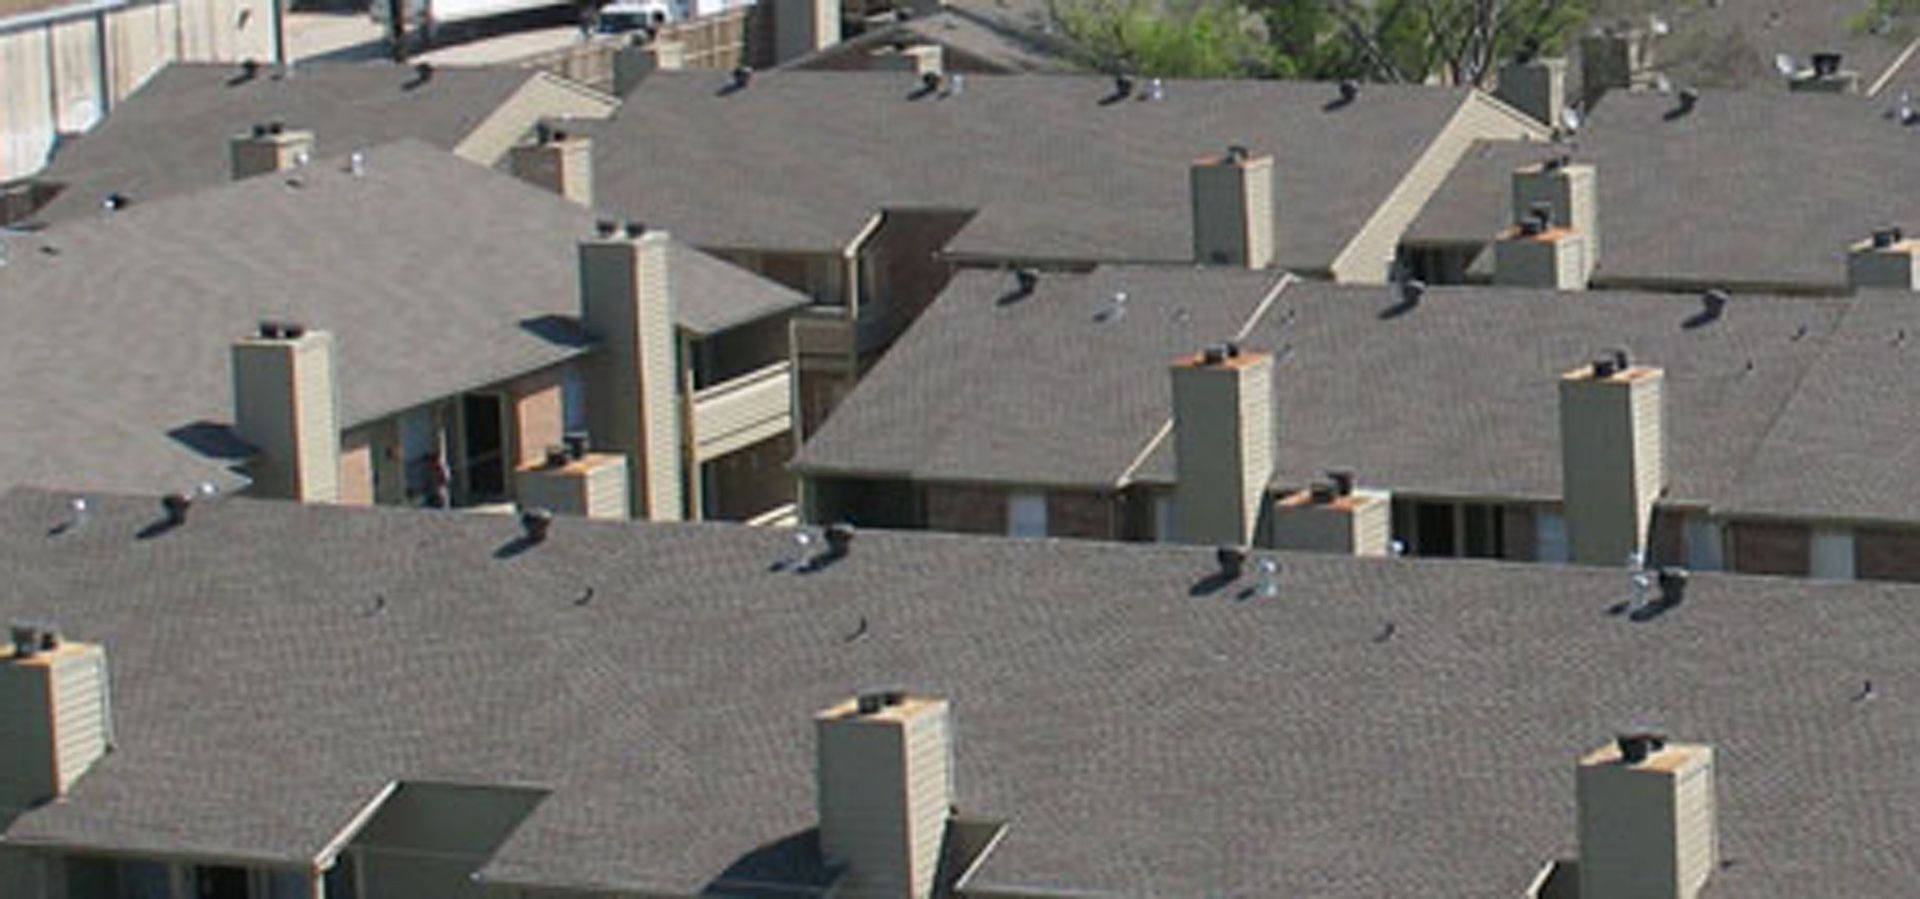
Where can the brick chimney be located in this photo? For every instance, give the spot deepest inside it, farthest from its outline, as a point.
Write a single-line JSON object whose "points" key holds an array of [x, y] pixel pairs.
{"points": [[268, 148], [1613, 457], [801, 27], [884, 770], [559, 161], [1334, 517], [636, 61], [632, 377], [920, 59], [1222, 444], [1537, 87], [1232, 198], [55, 717], [1887, 259], [285, 403], [1612, 60], [1647, 819], [1570, 190]]}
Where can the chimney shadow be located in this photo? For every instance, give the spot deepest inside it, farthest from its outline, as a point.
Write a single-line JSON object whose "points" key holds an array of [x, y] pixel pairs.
{"points": [[1211, 584], [213, 439], [790, 865], [514, 547], [1700, 319], [1396, 310], [924, 91], [1336, 104], [559, 330], [1012, 297], [821, 561]]}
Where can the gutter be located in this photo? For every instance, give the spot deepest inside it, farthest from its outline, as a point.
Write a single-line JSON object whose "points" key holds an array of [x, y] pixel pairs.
{"points": [[53, 16]]}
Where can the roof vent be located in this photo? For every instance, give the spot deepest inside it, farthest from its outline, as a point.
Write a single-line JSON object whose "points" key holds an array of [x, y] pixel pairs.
{"points": [[423, 71], [1349, 90], [930, 81], [249, 69], [1887, 237], [1122, 86], [839, 540], [1689, 98], [536, 522], [1610, 363], [115, 202], [1715, 301], [956, 84], [1232, 559], [1673, 585], [742, 76], [1635, 747], [1025, 280], [1412, 290], [1826, 65], [175, 506]]}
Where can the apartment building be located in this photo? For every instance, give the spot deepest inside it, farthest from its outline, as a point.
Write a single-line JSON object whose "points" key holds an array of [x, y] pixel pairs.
{"points": [[869, 188], [170, 137], [1750, 192], [397, 326], [1770, 439], [619, 710]]}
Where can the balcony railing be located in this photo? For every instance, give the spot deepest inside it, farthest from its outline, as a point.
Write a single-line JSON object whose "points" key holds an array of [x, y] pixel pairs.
{"points": [[742, 411]]}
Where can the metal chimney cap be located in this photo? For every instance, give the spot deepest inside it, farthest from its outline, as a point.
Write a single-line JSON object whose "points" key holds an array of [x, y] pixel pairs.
{"points": [[1610, 363], [606, 228], [1887, 236], [1826, 65], [25, 638], [1636, 746]]}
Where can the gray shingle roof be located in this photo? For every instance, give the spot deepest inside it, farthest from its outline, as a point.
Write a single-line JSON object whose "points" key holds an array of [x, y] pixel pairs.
{"points": [[1748, 188], [436, 275], [1142, 741], [1457, 397], [170, 137], [803, 160]]}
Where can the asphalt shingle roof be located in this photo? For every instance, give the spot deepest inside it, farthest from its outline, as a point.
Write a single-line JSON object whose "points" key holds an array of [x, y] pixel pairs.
{"points": [[1455, 397], [436, 275], [803, 160], [1748, 188], [1141, 740], [170, 137]]}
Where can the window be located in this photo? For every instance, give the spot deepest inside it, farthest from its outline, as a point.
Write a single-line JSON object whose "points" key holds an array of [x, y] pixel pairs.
{"points": [[1832, 554], [1433, 529], [1550, 537], [1027, 515], [218, 882], [1703, 543], [1485, 529]]}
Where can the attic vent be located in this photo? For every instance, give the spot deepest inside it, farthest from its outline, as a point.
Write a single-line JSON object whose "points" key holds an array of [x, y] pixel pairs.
{"points": [[1689, 98], [249, 69], [115, 202], [1349, 90], [1635, 747], [930, 81], [423, 71], [1025, 280], [1610, 363], [1887, 237], [174, 506], [1412, 290], [1715, 301], [1122, 86], [839, 540], [742, 76]]}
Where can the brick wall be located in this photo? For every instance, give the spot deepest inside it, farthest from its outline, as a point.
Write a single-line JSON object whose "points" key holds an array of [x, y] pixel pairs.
{"points": [[356, 468], [967, 509], [1884, 554], [1757, 548], [539, 420], [1088, 514]]}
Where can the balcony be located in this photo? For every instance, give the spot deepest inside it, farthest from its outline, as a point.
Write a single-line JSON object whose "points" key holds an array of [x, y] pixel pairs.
{"points": [[742, 411]]}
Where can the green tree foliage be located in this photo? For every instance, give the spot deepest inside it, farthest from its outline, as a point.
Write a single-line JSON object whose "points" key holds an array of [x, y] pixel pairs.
{"points": [[1197, 39]]}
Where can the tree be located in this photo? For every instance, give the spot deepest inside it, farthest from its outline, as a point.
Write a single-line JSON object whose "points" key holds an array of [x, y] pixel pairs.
{"points": [[1198, 39], [1455, 41]]}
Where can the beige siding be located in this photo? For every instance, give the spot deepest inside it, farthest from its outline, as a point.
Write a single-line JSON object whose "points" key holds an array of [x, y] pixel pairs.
{"points": [[26, 103], [544, 96], [140, 40], [743, 411], [26, 737], [76, 74], [1365, 258]]}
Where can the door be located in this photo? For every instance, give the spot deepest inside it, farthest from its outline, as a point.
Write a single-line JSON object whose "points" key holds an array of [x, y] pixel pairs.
{"points": [[483, 447]]}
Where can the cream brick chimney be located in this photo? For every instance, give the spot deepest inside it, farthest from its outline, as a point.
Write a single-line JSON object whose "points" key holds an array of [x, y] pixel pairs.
{"points": [[55, 717], [1647, 819], [884, 769], [592, 485], [1571, 191], [1537, 87], [285, 403], [559, 161], [636, 61], [1222, 444], [1534, 254], [1613, 457], [1334, 517], [801, 27], [632, 377], [1612, 60], [1232, 198], [920, 59], [269, 148], [1888, 259]]}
